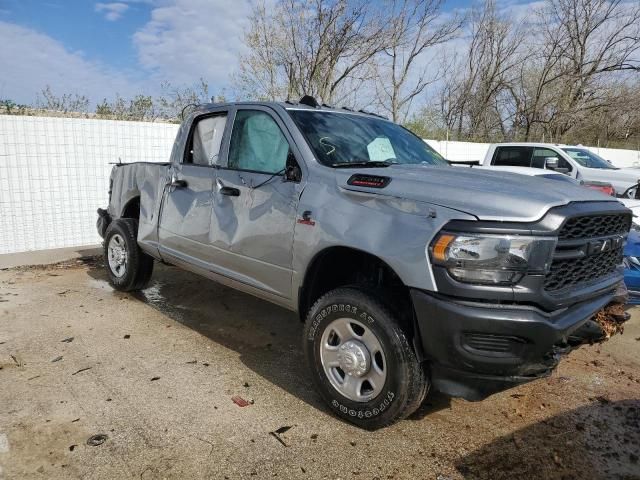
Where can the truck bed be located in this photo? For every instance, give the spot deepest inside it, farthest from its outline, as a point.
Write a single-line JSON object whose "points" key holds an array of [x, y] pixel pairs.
{"points": [[144, 181]]}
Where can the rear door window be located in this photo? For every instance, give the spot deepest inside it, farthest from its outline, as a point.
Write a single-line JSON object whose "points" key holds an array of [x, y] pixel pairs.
{"points": [[512, 156], [206, 138]]}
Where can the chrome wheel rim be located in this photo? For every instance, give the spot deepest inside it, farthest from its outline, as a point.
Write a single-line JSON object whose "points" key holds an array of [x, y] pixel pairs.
{"points": [[117, 255], [353, 360]]}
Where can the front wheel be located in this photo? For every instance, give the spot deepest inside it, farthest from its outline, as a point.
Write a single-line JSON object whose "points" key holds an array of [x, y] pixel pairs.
{"points": [[128, 267], [361, 360]]}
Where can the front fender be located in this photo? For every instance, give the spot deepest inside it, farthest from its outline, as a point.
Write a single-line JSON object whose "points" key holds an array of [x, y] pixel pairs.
{"points": [[395, 230]]}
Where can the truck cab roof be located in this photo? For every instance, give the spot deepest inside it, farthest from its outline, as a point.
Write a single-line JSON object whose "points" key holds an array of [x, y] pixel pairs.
{"points": [[532, 144], [286, 105]]}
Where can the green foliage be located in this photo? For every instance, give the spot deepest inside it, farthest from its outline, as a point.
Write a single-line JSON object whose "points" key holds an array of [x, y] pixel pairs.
{"points": [[9, 107]]}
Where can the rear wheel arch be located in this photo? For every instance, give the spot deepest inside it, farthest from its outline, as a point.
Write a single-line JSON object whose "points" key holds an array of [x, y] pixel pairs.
{"points": [[132, 208], [127, 266]]}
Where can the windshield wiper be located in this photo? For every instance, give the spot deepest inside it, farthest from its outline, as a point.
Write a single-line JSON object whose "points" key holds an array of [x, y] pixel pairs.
{"points": [[363, 163]]}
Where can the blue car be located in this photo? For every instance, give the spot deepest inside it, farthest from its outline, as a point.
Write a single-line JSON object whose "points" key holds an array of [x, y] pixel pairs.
{"points": [[632, 266]]}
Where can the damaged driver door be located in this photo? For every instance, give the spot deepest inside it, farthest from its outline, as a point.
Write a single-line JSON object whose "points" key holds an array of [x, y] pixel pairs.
{"points": [[254, 205]]}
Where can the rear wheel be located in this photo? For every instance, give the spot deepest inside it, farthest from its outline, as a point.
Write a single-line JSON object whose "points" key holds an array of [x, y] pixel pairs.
{"points": [[361, 360], [128, 267]]}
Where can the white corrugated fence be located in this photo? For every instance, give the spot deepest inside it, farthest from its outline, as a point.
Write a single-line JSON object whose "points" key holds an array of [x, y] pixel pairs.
{"points": [[54, 174]]}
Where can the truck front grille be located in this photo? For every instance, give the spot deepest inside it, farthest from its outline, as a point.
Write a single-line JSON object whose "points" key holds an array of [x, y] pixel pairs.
{"points": [[595, 226], [589, 248], [572, 272]]}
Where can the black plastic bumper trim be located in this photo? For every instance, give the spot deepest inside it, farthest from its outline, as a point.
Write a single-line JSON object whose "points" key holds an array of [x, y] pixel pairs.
{"points": [[443, 322]]}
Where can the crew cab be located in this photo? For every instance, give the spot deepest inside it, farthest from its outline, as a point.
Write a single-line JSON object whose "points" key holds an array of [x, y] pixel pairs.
{"points": [[356, 224], [575, 161]]}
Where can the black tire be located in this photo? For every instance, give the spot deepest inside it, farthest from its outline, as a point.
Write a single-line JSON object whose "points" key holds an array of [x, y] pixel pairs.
{"points": [[406, 383], [138, 266]]}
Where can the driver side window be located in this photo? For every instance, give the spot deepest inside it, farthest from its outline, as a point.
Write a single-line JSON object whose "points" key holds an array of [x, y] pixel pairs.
{"points": [[541, 154], [257, 143]]}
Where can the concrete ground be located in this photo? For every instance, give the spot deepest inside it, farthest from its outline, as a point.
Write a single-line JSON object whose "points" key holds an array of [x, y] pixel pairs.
{"points": [[54, 255], [155, 373]]}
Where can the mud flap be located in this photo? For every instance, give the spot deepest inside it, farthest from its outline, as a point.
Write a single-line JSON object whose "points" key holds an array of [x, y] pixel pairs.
{"points": [[104, 219]]}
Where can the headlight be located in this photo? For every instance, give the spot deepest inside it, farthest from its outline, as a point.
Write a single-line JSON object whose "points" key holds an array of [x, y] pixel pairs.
{"points": [[492, 259]]}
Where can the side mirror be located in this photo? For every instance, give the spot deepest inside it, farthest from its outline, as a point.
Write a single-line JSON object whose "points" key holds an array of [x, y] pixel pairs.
{"points": [[551, 163], [292, 172]]}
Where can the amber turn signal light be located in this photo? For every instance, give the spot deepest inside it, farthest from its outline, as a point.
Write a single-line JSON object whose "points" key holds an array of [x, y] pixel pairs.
{"points": [[440, 247]]}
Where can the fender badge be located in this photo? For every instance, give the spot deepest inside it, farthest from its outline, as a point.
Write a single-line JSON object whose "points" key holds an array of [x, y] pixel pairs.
{"points": [[306, 218]]}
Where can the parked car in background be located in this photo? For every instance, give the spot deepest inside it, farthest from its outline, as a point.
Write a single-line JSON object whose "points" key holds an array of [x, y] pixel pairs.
{"points": [[531, 172], [409, 274], [633, 205], [603, 187], [576, 162]]}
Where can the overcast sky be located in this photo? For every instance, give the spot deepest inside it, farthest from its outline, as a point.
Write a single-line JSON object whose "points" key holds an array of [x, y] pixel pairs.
{"points": [[127, 47]]}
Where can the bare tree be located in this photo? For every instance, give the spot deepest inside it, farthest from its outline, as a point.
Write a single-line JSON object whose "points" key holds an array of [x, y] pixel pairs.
{"points": [[491, 61], [601, 37], [261, 74], [140, 108], [173, 101], [547, 77], [315, 47], [416, 27], [474, 98], [538, 72], [65, 103]]}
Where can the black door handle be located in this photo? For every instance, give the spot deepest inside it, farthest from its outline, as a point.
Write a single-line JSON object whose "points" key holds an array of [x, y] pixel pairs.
{"points": [[177, 182], [230, 191]]}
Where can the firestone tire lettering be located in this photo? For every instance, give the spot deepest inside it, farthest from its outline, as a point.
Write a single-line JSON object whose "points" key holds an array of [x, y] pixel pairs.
{"points": [[365, 413]]}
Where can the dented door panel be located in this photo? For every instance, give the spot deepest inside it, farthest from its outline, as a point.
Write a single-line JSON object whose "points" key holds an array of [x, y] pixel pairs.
{"points": [[186, 213], [254, 231]]}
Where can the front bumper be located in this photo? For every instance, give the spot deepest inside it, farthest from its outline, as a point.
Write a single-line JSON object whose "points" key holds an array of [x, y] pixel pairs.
{"points": [[476, 349]]}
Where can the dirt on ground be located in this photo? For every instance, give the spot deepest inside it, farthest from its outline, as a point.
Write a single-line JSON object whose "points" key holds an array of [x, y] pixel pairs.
{"points": [[99, 384]]}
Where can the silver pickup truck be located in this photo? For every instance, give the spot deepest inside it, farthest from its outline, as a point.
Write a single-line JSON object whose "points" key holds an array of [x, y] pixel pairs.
{"points": [[409, 274]]}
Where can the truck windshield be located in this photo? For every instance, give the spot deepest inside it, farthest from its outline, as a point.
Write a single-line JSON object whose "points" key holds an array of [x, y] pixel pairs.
{"points": [[588, 159], [345, 139]]}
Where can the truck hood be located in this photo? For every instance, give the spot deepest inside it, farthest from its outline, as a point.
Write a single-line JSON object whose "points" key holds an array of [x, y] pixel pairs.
{"points": [[485, 194]]}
